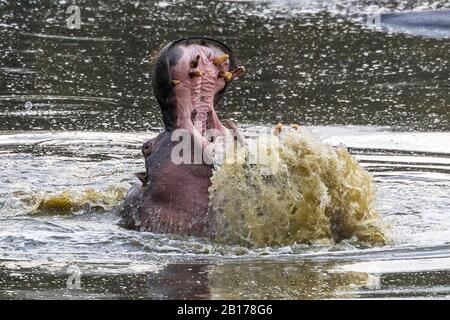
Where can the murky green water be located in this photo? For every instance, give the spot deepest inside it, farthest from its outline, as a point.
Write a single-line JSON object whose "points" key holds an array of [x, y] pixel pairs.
{"points": [[75, 106]]}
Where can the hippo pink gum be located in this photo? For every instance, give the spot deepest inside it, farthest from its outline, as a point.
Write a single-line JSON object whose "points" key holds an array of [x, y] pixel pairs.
{"points": [[191, 76]]}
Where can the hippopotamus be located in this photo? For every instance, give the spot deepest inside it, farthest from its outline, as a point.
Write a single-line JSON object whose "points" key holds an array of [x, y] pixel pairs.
{"points": [[427, 23], [190, 78]]}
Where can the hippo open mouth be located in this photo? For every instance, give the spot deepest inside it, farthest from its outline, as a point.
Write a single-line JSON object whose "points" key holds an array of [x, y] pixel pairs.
{"points": [[191, 76]]}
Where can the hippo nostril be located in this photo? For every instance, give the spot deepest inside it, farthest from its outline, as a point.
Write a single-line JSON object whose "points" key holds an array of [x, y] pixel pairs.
{"points": [[220, 59], [194, 63]]}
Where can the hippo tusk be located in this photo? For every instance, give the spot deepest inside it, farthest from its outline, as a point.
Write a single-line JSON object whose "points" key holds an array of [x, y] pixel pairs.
{"points": [[175, 82], [278, 128], [194, 63], [295, 126], [239, 71], [220, 59], [226, 75], [195, 74], [237, 134]]}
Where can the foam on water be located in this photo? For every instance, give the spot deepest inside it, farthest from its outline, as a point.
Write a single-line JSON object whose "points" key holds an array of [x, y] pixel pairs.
{"points": [[69, 201], [313, 192]]}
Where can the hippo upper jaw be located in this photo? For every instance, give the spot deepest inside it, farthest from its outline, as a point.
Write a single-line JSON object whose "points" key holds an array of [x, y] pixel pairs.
{"points": [[191, 76]]}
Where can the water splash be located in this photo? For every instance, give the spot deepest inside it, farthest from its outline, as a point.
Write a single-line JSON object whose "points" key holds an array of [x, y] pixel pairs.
{"points": [[69, 201], [314, 193]]}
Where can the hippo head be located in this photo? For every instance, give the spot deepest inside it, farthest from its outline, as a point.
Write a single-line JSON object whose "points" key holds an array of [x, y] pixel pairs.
{"points": [[191, 76]]}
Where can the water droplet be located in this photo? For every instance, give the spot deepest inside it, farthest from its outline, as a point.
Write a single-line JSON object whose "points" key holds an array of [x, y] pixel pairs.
{"points": [[28, 105]]}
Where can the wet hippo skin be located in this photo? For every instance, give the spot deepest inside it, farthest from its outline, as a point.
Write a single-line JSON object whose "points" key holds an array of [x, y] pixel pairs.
{"points": [[191, 76]]}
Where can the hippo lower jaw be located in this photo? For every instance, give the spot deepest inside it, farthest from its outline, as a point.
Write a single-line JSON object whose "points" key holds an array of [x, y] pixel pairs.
{"points": [[191, 76]]}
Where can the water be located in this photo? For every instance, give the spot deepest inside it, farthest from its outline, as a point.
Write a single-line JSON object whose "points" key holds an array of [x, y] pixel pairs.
{"points": [[76, 105]]}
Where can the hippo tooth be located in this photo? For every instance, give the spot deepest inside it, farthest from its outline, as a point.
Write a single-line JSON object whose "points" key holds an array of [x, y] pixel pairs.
{"points": [[226, 75], [295, 126], [194, 63], [195, 74], [238, 71], [278, 128], [175, 82], [220, 59]]}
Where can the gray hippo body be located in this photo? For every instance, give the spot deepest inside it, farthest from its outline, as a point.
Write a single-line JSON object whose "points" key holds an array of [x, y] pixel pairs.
{"points": [[172, 197]]}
